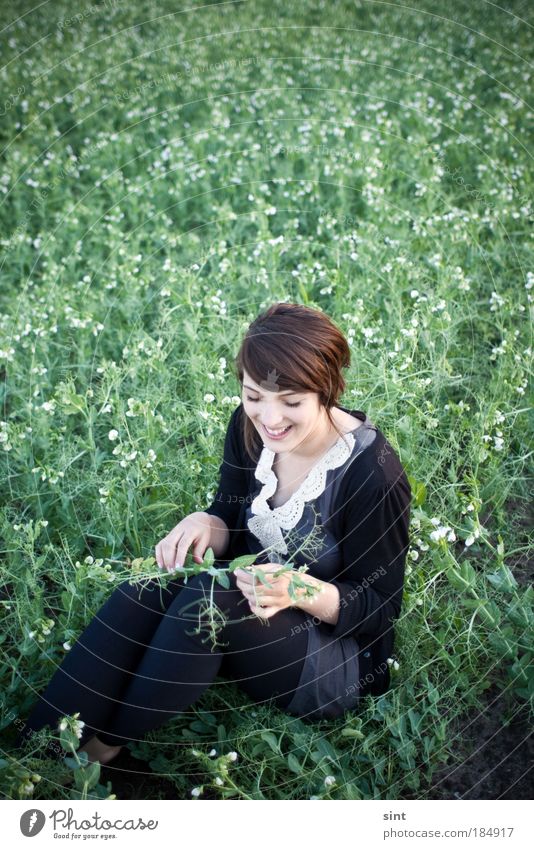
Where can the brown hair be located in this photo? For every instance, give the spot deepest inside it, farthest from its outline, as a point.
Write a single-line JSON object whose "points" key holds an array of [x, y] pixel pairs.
{"points": [[299, 348]]}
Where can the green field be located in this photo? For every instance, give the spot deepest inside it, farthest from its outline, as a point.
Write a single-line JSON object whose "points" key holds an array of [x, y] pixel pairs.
{"points": [[166, 175]]}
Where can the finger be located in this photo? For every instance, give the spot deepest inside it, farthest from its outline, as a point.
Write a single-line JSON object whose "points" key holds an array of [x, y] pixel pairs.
{"points": [[166, 556], [180, 554], [198, 552], [264, 612], [245, 577]]}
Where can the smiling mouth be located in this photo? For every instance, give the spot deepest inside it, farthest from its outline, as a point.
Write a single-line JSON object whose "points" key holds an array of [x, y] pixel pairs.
{"points": [[277, 434]]}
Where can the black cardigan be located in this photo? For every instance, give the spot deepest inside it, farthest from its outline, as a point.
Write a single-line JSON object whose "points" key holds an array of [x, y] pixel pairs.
{"points": [[370, 520]]}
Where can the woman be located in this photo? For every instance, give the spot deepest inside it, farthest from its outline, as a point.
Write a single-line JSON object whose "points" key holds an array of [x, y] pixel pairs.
{"points": [[308, 481]]}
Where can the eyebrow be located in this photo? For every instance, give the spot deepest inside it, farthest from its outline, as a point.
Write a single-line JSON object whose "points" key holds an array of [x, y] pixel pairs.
{"points": [[288, 392]]}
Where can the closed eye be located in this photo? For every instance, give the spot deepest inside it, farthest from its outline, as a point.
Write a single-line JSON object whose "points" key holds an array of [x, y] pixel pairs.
{"points": [[296, 404]]}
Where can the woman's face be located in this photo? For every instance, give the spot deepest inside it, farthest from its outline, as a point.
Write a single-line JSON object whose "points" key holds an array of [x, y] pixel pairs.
{"points": [[271, 412]]}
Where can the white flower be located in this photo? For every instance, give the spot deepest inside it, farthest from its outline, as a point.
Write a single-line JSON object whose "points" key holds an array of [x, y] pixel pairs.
{"points": [[113, 434], [63, 725], [232, 756], [219, 780], [329, 780], [470, 540], [208, 397], [271, 210], [395, 665], [213, 753], [196, 791]]}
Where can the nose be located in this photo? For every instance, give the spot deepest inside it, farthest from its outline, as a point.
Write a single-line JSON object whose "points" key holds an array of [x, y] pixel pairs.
{"points": [[272, 424]]}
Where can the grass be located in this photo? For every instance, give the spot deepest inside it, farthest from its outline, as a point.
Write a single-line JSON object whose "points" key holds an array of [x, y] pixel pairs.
{"points": [[167, 175]]}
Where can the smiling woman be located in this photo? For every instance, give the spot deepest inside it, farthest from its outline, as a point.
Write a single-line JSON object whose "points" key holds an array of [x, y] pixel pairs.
{"points": [[333, 499]]}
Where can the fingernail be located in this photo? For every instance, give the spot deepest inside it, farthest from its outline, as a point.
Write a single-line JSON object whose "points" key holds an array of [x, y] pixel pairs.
{"points": [[177, 566]]}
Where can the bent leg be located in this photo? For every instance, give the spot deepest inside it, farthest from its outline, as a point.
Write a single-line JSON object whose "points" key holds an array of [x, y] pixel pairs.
{"points": [[265, 656], [99, 666]]}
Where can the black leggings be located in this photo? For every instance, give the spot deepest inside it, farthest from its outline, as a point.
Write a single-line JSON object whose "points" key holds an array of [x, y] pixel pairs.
{"points": [[139, 661]]}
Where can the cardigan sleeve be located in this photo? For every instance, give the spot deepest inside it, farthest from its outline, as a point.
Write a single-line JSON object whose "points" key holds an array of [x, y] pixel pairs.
{"points": [[375, 540], [233, 479]]}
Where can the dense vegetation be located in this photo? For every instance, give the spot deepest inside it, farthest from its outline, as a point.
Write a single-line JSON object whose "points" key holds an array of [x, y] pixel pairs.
{"points": [[165, 176]]}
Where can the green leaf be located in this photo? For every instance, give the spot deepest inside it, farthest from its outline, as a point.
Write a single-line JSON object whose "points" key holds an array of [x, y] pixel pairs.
{"points": [[209, 558], [418, 491], [294, 764], [352, 791], [415, 719], [223, 579], [502, 579], [68, 740], [272, 741], [462, 578], [242, 562], [159, 505], [88, 775], [506, 648], [487, 611], [352, 732], [262, 577]]}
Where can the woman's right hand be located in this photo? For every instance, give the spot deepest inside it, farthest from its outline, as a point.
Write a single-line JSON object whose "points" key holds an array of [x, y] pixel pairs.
{"points": [[171, 551]]}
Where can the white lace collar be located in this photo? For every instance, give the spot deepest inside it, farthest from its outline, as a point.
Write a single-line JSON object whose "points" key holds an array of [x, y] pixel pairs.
{"points": [[266, 523]]}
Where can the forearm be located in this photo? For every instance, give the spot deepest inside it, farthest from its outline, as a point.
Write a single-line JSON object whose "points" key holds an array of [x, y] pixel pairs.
{"points": [[324, 603]]}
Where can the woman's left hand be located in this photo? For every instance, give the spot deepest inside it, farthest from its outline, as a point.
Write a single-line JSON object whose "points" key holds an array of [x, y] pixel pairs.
{"points": [[265, 601]]}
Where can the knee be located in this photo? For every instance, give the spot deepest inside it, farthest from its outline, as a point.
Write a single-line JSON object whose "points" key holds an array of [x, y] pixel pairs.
{"points": [[205, 588], [149, 594]]}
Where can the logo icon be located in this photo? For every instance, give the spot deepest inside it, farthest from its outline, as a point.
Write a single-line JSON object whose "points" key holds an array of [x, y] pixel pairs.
{"points": [[270, 384], [31, 822]]}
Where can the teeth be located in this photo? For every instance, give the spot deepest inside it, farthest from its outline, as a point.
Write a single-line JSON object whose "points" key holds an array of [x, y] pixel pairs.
{"points": [[277, 432]]}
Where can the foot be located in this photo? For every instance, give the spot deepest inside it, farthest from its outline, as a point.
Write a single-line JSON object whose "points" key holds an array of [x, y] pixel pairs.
{"points": [[98, 751]]}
